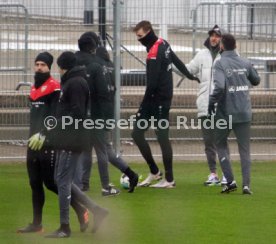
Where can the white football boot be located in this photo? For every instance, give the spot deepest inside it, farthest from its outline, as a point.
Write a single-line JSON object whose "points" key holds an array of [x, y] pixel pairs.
{"points": [[151, 177], [164, 184], [212, 180], [223, 181]]}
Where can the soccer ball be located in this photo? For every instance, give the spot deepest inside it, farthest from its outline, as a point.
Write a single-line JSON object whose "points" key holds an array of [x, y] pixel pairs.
{"points": [[124, 181]]}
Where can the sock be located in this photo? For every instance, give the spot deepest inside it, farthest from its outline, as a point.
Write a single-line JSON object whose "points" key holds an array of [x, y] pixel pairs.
{"points": [[129, 172]]}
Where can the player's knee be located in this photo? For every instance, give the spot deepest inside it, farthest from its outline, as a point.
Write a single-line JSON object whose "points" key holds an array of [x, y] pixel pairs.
{"points": [[111, 157], [62, 185], [136, 135], [163, 137], [36, 184], [208, 141]]}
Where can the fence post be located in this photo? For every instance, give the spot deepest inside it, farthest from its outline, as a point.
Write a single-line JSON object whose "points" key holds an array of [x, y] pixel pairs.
{"points": [[164, 27], [102, 20], [194, 12], [229, 18], [251, 24], [117, 65], [26, 51]]}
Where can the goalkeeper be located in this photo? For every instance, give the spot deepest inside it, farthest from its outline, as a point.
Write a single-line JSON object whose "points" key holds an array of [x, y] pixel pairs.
{"points": [[41, 156]]}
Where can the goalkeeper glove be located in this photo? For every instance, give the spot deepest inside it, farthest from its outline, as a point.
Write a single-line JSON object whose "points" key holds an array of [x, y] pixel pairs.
{"points": [[36, 141]]}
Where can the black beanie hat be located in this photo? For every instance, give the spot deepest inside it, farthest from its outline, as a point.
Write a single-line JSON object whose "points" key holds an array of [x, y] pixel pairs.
{"points": [[67, 60], [88, 41], [216, 30], [45, 57]]}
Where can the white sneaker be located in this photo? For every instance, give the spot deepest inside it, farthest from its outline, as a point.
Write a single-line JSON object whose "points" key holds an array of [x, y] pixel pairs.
{"points": [[212, 180], [151, 177], [246, 190], [223, 181], [164, 184]]}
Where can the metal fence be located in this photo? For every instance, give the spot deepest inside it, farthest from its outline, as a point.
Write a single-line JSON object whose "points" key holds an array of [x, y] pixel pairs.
{"points": [[14, 62], [55, 26]]}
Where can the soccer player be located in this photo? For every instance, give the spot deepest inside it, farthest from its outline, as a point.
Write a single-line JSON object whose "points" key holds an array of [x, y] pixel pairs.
{"points": [[70, 141], [233, 76], [202, 65], [43, 98], [157, 102], [101, 83]]}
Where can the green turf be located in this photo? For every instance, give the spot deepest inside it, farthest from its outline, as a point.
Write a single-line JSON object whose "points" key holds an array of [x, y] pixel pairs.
{"points": [[190, 213]]}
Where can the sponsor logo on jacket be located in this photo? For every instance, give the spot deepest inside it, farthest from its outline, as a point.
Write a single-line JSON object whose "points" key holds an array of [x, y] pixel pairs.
{"points": [[233, 89], [229, 72]]}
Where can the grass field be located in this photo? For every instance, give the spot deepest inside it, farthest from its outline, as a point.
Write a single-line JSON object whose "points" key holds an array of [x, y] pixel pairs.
{"points": [[190, 213]]}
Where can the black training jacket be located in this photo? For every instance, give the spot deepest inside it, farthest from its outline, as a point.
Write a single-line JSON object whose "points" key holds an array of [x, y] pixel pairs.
{"points": [[43, 102], [73, 102], [159, 88], [99, 78]]}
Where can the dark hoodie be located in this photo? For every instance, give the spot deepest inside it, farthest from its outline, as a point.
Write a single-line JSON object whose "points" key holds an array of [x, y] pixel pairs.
{"points": [[86, 58], [73, 102], [101, 84]]}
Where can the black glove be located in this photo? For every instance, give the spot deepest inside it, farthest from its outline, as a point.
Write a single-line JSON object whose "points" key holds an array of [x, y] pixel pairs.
{"points": [[211, 109], [197, 79]]}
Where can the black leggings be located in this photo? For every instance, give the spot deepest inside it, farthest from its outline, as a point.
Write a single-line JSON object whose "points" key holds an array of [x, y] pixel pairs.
{"points": [[41, 166], [158, 113]]}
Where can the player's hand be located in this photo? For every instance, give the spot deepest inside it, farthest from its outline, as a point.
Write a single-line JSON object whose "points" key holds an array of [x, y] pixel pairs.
{"points": [[36, 141], [197, 79]]}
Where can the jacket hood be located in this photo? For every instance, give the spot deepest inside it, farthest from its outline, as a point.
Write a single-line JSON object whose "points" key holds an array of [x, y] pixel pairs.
{"points": [[207, 41], [77, 71], [83, 58], [103, 53], [216, 29], [88, 41]]}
